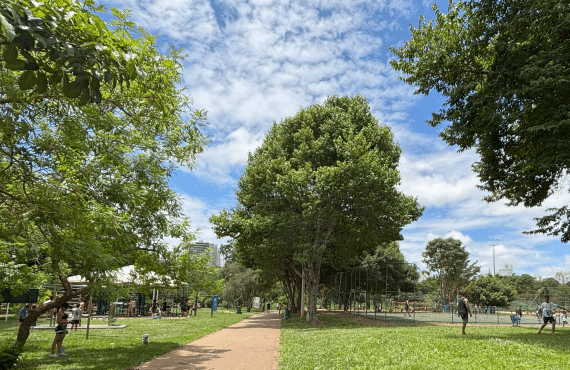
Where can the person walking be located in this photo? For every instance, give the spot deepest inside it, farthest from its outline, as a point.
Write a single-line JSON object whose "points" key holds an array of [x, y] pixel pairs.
{"points": [[463, 310], [407, 308], [60, 331], [23, 313], [548, 309]]}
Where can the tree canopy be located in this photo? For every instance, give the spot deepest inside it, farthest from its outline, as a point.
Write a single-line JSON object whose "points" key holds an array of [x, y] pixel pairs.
{"points": [[322, 185], [489, 291], [61, 42], [449, 259], [503, 68], [84, 182]]}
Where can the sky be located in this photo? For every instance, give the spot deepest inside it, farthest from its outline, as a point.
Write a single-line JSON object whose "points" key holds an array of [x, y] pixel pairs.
{"points": [[252, 63]]}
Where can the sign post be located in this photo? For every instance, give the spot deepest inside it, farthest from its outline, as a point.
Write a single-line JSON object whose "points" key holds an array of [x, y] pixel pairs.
{"points": [[214, 305]]}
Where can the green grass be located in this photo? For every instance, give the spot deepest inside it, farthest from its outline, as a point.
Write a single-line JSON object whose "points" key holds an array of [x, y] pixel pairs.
{"points": [[115, 348], [344, 344]]}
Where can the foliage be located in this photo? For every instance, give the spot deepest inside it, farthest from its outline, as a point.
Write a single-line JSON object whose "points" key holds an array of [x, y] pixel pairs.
{"points": [[387, 257], [84, 186], [193, 269], [9, 354], [242, 284], [118, 349], [450, 261], [430, 289], [489, 291], [228, 252], [61, 43], [322, 185], [503, 68]]}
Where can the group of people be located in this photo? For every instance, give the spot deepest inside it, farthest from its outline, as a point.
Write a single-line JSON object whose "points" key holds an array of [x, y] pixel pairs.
{"points": [[546, 311], [164, 310]]}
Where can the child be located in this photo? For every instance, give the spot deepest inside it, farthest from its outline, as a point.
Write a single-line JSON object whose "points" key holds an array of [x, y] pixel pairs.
{"points": [[564, 318], [75, 315]]}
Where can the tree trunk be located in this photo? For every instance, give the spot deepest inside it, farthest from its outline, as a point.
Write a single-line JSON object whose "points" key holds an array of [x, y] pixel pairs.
{"points": [[313, 280], [302, 306], [24, 330]]}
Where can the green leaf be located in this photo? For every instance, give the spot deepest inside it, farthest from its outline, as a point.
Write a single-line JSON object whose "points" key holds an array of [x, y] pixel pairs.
{"points": [[56, 78], [27, 80], [41, 83], [108, 76], [96, 91], [25, 40], [85, 97], [76, 88], [10, 33], [10, 53], [18, 65], [31, 66], [132, 70]]}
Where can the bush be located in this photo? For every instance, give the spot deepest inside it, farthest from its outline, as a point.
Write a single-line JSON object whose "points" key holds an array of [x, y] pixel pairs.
{"points": [[9, 355]]}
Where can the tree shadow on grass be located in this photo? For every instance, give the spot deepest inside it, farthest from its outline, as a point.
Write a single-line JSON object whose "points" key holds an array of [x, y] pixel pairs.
{"points": [[118, 357], [530, 336]]}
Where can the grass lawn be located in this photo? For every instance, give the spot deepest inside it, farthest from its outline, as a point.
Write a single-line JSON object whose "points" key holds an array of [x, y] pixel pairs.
{"points": [[115, 348], [345, 344]]}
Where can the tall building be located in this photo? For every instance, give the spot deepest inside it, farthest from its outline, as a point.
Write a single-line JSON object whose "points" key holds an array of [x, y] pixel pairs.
{"points": [[202, 247], [562, 277], [506, 270]]}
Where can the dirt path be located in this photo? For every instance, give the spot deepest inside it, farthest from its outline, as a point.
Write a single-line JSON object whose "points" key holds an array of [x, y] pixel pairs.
{"points": [[250, 344]]}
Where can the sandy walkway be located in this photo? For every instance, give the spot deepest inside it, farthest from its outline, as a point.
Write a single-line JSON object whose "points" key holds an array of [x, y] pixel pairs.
{"points": [[250, 344]]}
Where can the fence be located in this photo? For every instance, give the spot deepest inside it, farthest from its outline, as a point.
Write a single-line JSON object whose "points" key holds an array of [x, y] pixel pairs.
{"points": [[371, 292]]}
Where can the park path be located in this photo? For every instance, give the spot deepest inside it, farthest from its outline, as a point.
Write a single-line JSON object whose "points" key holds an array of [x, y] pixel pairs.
{"points": [[250, 344]]}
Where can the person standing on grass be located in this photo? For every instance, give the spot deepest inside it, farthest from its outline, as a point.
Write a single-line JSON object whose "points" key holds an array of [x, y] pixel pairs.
{"points": [[548, 309], [564, 318], [130, 308], [60, 331], [23, 313], [33, 325], [75, 315], [407, 308], [463, 310], [183, 308]]}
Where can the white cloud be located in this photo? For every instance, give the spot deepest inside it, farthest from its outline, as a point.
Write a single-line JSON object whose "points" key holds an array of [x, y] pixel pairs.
{"points": [[269, 58], [219, 162]]}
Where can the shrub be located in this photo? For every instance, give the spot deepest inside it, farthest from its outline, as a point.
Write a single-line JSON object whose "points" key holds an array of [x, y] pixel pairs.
{"points": [[9, 355]]}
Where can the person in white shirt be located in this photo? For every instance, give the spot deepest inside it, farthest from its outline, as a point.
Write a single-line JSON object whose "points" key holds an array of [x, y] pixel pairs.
{"points": [[548, 309]]}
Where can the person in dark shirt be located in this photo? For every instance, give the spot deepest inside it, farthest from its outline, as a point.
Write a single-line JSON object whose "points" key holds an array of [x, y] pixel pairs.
{"points": [[463, 310]]}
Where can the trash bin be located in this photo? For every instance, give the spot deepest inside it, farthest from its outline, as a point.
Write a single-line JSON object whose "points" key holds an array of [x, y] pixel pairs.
{"points": [[287, 314], [445, 308], [238, 309]]}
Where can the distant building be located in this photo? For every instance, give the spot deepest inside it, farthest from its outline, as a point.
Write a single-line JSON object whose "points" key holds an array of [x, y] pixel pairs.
{"points": [[562, 277], [202, 247], [506, 270]]}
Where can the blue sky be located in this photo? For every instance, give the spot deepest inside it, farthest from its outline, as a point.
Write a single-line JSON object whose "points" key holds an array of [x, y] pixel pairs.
{"points": [[252, 63]]}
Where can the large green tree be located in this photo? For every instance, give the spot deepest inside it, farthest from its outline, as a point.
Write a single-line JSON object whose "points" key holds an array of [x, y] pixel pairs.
{"points": [[84, 181], [392, 267], [449, 259], [489, 291], [323, 180], [502, 67]]}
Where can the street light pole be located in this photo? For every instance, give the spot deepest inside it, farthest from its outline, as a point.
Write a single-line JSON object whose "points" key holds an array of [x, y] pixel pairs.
{"points": [[494, 260]]}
